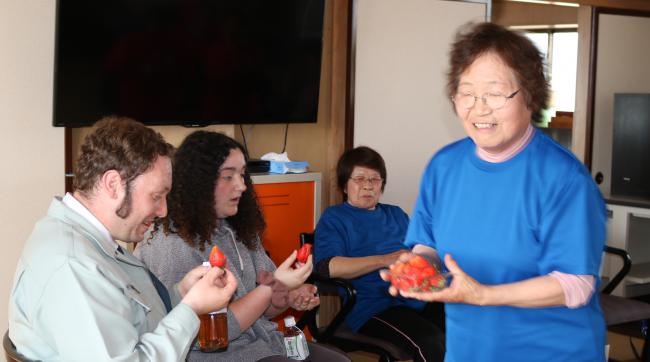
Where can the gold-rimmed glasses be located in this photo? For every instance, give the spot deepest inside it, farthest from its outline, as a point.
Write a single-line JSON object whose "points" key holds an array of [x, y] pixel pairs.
{"points": [[493, 100], [361, 180]]}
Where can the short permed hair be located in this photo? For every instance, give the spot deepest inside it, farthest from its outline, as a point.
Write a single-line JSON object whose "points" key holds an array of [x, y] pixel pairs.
{"points": [[360, 156], [121, 144], [513, 48]]}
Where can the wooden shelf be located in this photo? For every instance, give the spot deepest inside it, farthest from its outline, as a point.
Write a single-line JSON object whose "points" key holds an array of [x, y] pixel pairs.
{"points": [[562, 120]]}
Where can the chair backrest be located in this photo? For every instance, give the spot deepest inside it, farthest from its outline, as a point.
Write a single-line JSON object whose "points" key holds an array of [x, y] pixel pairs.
{"points": [[619, 311], [306, 238], [11, 353], [618, 277]]}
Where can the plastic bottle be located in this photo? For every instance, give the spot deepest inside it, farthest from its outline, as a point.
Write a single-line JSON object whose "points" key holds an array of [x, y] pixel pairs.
{"points": [[213, 330], [295, 341]]}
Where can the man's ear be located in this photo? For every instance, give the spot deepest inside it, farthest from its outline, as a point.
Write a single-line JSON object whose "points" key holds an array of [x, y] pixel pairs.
{"points": [[111, 183]]}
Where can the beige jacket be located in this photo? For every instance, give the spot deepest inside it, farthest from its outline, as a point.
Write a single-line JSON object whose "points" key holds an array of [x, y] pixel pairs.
{"points": [[76, 298]]}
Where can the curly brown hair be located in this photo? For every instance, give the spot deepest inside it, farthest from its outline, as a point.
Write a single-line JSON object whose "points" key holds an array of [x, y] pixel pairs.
{"points": [[514, 49], [191, 204], [121, 144]]}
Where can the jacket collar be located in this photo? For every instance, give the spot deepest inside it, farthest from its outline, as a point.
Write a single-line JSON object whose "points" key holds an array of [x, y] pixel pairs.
{"points": [[97, 234]]}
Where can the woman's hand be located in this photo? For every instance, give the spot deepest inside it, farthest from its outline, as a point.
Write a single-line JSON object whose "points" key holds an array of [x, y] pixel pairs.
{"points": [[304, 297], [291, 277], [463, 288], [385, 273], [400, 255], [391, 258]]}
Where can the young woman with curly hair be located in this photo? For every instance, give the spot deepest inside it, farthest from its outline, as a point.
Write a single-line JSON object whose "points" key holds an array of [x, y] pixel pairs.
{"points": [[212, 202]]}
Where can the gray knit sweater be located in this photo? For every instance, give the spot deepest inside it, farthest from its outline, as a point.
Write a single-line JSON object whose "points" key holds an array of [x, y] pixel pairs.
{"points": [[170, 258]]}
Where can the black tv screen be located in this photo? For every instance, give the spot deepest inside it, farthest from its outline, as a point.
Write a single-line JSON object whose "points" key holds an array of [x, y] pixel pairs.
{"points": [[188, 62], [630, 146]]}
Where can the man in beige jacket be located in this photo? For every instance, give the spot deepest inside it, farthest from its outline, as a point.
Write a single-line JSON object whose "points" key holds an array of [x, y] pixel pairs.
{"points": [[77, 295]]}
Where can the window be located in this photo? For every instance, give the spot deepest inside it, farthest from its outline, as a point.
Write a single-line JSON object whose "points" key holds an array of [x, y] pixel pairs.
{"points": [[560, 49]]}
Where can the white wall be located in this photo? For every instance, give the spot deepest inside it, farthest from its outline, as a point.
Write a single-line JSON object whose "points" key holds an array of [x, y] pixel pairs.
{"points": [[401, 109], [622, 67], [31, 150]]}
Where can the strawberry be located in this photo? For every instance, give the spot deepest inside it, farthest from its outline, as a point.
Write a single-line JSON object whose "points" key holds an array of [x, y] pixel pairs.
{"points": [[419, 262], [217, 258], [438, 281], [407, 269], [401, 284], [303, 253], [416, 275], [428, 272]]}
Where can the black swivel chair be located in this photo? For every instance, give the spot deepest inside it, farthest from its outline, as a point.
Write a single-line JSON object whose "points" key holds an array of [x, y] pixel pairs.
{"points": [[11, 354], [621, 311], [336, 332]]}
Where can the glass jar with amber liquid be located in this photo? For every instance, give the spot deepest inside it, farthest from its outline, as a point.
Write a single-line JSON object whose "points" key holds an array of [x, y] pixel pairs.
{"points": [[213, 331]]}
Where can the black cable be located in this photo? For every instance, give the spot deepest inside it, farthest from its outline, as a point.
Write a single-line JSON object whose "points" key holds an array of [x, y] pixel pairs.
{"points": [[636, 353], [286, 131], [244, 138]]}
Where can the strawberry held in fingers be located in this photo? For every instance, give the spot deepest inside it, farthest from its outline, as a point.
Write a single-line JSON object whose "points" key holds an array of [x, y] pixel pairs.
{"points": [[217, 258], [303, 253], [416, 275]]}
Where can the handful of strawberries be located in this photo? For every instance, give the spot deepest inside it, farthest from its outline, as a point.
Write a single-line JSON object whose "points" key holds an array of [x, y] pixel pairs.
{"points": [[416, 275]]}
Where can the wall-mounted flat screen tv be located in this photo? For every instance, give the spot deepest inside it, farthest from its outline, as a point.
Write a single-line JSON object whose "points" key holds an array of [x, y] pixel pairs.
{"points": [[188, 62]]}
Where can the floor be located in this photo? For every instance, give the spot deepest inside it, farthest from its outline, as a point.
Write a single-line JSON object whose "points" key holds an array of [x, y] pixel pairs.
{"points": [[619, 346], [620, 349], [362, 357]]}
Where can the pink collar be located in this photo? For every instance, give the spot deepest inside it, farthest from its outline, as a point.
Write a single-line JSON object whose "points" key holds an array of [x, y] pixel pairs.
{"points": [[511, 152]]}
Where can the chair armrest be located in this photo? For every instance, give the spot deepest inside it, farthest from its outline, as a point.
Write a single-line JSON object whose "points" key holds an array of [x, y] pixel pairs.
{"points": [[627, 265], [333, 286]]}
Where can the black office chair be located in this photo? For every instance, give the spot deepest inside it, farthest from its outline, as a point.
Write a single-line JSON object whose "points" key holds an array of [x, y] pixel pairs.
{"points": [[337, 333], [621, 312], [11, 354]]}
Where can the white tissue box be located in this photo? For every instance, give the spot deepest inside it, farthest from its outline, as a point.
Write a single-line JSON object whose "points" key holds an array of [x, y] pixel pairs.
{"points": [[288, 167]]}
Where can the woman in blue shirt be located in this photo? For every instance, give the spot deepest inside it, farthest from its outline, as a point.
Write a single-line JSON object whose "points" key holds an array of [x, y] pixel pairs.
{"points": [[520, 214], [355, 239]]}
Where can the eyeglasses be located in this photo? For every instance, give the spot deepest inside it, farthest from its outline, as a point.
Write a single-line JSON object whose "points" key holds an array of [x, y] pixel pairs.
{"points": [[361, 180], [492, 100]]}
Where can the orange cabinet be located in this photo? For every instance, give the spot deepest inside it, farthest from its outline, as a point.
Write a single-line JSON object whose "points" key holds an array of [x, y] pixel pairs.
{"points": [[291, 205]]}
